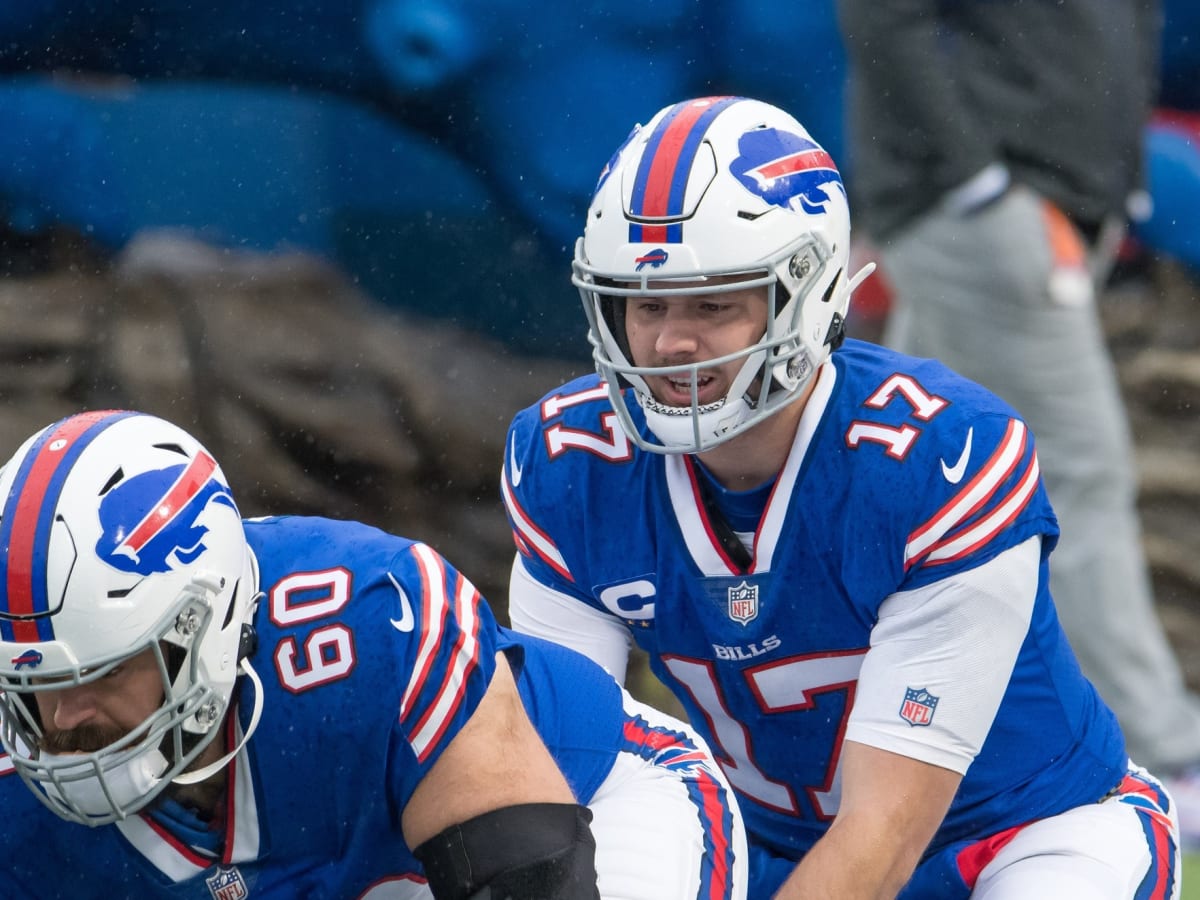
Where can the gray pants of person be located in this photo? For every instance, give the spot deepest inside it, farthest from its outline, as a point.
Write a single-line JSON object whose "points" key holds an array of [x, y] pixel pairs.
{"points": [[976, 291]]}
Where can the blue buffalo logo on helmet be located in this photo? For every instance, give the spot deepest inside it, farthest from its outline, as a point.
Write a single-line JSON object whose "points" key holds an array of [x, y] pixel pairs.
{"points": [[655, 259], [27, 659], [780, 166], [151, 522]]}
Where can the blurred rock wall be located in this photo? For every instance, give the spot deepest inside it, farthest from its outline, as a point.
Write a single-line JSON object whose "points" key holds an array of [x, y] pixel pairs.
{"points": [[1154, 330], [314, 399]]}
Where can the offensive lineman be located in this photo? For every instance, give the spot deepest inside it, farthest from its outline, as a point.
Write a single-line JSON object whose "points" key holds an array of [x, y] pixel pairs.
{"points": [[384, 752]]}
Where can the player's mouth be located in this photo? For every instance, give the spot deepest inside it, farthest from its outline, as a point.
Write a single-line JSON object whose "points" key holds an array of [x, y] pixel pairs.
{"points": [[676, 390]]}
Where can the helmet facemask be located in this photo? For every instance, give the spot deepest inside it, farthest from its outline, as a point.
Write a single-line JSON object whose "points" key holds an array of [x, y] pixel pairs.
{"points": [[775, 368], [101, 786]]}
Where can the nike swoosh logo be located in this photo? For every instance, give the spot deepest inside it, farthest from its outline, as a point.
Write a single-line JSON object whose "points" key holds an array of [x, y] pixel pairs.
{"points": [[512, 462], [955, 472], [407, 619]]}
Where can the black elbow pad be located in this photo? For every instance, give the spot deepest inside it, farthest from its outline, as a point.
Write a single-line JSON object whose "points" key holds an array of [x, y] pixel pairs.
{"points": [[532, 851]]}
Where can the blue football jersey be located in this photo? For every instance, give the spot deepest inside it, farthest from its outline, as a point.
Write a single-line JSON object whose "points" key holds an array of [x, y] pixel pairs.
{"points": [[575, 705], [373, 652], [911, 474]]}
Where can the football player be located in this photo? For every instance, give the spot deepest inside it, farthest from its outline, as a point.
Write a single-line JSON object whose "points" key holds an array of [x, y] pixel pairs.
{"points": [[835, 556], [298, 707]]}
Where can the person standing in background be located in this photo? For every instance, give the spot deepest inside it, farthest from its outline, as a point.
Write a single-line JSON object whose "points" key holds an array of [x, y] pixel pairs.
{"points": [[996, 156]]}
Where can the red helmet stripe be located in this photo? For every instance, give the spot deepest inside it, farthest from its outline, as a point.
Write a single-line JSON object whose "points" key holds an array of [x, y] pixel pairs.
{"points": [[29, 518], [661, 182]]}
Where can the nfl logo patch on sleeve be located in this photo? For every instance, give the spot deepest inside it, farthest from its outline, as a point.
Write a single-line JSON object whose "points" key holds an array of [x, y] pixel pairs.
{"points": [[918, 706]]}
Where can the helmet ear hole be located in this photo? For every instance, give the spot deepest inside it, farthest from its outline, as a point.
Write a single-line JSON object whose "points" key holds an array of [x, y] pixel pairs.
{"points": [[834, 282], [229, 610]]}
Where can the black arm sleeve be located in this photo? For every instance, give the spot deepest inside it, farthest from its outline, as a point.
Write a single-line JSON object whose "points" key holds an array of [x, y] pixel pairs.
{"points": [[532, 851]]}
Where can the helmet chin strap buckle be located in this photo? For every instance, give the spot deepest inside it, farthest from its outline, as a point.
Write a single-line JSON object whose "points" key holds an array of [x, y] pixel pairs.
{"points": [[248, 642], [837, 332]]}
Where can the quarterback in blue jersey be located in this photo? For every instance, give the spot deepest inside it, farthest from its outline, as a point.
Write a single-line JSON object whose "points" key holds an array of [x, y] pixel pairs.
{"points": [[299, 707], [835, 556]]}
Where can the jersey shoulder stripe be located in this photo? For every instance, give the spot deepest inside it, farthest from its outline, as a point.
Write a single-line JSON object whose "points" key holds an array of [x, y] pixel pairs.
{"points": [[978, 511], [426, 713], [529, 538]]}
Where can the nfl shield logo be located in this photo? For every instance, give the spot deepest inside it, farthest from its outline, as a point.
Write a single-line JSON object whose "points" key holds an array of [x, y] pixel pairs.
{"points": [[743, 602], [227, 884], [918, 706]]}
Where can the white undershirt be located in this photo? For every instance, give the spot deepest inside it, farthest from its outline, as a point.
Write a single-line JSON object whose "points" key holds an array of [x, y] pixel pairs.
{"points": [[957, 638]]}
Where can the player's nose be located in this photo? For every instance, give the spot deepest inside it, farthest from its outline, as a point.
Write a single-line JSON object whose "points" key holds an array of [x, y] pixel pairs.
{"points": [[70, 707], [678, 334]]}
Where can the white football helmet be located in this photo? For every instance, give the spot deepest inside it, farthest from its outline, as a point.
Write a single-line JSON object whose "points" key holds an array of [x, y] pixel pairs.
{"points": [[718, 186], [120, 536]]}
